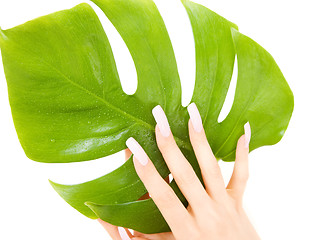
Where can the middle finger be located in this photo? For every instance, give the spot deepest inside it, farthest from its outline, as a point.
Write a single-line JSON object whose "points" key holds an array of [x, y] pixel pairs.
{"points": [[180, 168]]}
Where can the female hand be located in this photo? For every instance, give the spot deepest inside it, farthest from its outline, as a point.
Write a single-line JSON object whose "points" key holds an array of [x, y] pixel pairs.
{"points": [[214, 212]]}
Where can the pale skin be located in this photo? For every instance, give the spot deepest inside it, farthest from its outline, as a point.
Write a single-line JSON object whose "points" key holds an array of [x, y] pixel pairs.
{"points": [[215, 211]]}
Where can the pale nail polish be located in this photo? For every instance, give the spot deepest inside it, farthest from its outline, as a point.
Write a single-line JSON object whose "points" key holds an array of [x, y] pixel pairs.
{"points": [[195, 117], [123, 234], [137, 151], [161, 120], [247, 134]]}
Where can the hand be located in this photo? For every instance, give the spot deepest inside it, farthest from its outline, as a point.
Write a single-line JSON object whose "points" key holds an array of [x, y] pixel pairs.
{"points": [[214, 212]]}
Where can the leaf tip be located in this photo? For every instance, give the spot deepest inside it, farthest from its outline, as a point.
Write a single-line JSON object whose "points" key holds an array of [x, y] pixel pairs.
{"points": [[1, 34], [3, 37], [56, 186], [92, 206], [234, 31], [51, 182]]}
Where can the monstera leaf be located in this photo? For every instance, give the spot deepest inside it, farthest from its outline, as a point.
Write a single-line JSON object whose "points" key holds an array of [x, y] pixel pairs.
{"points": [[68, 104]]}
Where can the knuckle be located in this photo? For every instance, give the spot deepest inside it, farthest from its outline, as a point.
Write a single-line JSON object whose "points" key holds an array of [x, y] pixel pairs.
{"points": [[185, 177], [149, 174], [166, 198], [215, 171], [200, 142], [195, 138], [166, 143], [162, 144]]}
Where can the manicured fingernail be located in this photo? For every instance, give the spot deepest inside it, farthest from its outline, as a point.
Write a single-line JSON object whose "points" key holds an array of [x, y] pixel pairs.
{"points": [[161, 120], [247, 134], [195, 117], [123, 234], [137, 151]]}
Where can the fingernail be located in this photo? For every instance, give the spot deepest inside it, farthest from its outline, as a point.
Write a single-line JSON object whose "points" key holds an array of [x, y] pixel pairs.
{"points": [[137, 151], [123, 234], [247, 134], [195, 117], [161, 120]]}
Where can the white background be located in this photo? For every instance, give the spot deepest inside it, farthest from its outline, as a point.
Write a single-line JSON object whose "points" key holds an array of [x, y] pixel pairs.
{"points": [[280, 195]]}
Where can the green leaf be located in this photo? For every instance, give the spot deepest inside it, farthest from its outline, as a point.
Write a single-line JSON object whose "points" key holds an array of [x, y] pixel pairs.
{"points": [[138, 215], [108, 188], [56, 68], [68, 104], [143, 215]]}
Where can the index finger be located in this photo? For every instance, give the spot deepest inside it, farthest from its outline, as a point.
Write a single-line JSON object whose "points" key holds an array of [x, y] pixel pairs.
{"points": [[161, 193]]}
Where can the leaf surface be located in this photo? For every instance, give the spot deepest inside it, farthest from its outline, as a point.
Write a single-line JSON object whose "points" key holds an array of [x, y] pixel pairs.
{"points": [[68, 104]]}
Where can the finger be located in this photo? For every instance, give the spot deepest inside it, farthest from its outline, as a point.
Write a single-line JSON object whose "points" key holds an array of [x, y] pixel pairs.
{"points": [[124, 233], [162, 194], [241, 172], [209, 166], [127, 154], [180, 168], [111, 229], [115, 232], [147, 196], [155, 236]]}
